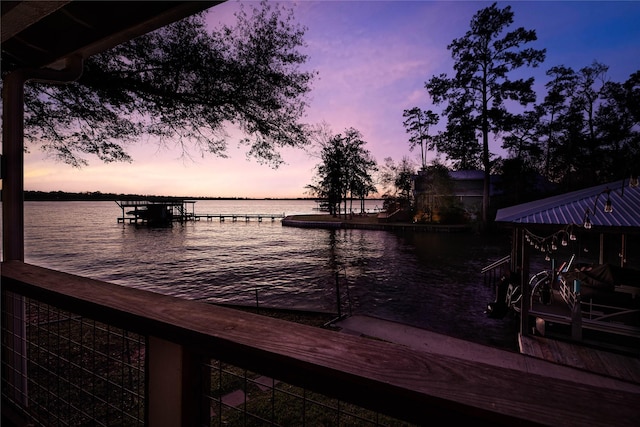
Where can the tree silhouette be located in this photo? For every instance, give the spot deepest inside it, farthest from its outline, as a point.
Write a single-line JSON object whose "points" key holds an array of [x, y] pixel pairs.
{"points": [[417, 125], [181, 85], [552, 110], [476, 95], [589, 126], [345, 171], [397, 180]]}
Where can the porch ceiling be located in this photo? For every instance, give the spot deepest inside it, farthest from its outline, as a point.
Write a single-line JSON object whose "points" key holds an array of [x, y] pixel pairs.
{"points": [[572, 208], [36, 34]]}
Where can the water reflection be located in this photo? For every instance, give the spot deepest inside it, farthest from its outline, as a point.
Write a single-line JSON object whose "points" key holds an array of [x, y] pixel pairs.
{"points": [[428, 280]]}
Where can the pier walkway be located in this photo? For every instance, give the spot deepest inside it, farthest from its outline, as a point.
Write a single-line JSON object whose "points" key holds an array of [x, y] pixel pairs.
{"points": [[235, 217]]}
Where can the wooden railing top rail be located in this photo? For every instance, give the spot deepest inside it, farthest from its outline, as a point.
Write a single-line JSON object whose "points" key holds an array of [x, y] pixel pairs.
{"points": [[390, 378]]}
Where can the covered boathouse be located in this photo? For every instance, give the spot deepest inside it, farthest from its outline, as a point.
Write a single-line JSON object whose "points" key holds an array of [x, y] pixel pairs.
{"points": [[575, 266], [156, 212]]}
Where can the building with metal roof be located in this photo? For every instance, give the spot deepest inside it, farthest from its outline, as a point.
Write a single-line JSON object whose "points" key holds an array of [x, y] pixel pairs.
{"points": [[607, 216], [604, 212], [611, 207]]}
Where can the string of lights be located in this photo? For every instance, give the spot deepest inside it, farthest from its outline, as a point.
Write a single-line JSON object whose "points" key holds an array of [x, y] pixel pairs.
{"points": [[549, 244]]}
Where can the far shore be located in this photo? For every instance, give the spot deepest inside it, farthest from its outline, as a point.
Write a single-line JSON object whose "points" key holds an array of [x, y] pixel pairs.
{"points": [[53, 196]]}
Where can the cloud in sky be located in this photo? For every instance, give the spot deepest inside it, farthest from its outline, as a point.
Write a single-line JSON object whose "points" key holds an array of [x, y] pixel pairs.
{"points": [[373, 58]]}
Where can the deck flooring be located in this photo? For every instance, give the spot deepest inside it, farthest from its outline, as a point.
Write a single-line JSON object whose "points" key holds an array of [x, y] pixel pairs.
{"points": [[614, 365]]}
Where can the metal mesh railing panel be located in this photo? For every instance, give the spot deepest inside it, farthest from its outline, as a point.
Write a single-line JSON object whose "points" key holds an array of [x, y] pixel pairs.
{"points": [[239, 397], [61, 369]]}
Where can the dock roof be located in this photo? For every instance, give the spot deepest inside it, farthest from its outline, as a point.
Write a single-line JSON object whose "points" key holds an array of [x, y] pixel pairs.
{"points": [[575, 207]]}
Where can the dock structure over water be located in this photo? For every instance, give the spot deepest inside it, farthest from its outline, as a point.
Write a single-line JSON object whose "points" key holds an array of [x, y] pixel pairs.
{"points": [[156, 211], [165, 211]]}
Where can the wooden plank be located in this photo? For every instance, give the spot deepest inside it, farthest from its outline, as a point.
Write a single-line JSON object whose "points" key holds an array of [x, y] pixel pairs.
{"points": [[629, 371], [530, 346], [578, 356], [591, 360], [549, 352], [566, 355], [376, 374]]}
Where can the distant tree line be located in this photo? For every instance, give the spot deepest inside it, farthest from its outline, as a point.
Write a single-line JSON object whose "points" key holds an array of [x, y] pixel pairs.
{"points": [[31, 195]]}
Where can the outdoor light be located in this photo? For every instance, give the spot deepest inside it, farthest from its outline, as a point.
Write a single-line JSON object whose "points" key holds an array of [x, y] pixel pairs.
{"points": [[608, 208], [564, 241], [587, 222], [572, 236], [633, 181]]}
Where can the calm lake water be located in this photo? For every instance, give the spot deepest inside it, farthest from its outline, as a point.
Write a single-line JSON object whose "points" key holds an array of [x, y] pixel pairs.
{"points": [[429, 280]]}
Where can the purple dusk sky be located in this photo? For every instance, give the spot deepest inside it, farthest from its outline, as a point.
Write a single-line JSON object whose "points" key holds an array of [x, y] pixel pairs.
{"points": [[373, 58]]}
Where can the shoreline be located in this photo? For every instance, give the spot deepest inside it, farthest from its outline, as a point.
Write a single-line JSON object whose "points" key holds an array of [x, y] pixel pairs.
{"points": [[367, 222]]}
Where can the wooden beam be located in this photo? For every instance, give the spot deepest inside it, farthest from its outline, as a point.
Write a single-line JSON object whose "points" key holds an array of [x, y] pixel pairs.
{"points": [[39, 34], [24, 14]]}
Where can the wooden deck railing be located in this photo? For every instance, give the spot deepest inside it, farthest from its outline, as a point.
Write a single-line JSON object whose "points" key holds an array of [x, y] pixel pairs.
{"points": [[599, 317], [495, 270], [418, 387]]}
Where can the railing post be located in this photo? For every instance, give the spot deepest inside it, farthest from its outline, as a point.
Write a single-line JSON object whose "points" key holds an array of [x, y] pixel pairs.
{"points": [[576, 313], [13, 226], [524, 284], [13, 199], [13, 166], [174, 382], [338, 302]]}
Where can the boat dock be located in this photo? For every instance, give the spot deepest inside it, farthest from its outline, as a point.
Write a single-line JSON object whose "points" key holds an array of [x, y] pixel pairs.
{"points": [[155, 211], [165, 211]]}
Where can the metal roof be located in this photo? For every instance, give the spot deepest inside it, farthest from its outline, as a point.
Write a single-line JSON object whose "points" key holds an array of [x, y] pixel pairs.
{"points": [[575, 207], [467, 175]]}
